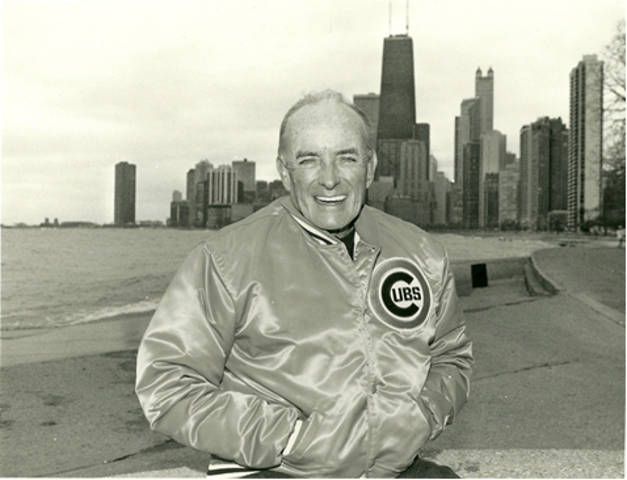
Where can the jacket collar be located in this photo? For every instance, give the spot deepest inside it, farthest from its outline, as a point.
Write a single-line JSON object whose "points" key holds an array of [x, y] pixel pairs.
{"points": [[365, 226], [319, 235]]}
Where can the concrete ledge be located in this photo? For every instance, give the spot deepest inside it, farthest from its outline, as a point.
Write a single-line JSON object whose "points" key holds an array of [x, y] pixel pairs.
{"points": [[547, 282], [497, 269]]}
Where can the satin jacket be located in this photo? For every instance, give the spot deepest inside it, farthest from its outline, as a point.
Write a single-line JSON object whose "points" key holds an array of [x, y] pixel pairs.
{"points": [[270, 321]]}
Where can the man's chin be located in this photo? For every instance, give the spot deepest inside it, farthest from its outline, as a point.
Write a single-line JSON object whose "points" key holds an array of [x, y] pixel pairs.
{"points": [[331, 225]]}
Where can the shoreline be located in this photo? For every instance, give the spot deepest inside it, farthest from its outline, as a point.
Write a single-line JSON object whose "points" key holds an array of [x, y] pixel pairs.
{"points": [[122, 333], [9, 333]]}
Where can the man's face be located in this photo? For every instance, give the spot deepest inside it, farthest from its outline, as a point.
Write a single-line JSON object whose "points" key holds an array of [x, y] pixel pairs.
{"points": [[325, 164]]}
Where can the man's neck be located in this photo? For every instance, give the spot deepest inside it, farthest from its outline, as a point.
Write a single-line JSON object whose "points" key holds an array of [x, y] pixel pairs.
{"points": [[347, 237]]}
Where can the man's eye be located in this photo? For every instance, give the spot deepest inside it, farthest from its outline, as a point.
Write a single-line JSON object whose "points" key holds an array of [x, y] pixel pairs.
{"points": [[306, 161], [348, 159]]}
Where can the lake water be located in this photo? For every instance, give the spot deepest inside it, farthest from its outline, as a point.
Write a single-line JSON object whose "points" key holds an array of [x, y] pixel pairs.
{"points": [[57, 277]]}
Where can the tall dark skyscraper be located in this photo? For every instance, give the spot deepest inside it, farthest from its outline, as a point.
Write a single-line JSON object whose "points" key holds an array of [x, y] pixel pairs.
{"points": [[484, 90], [397, 103], [543, 171], [124, 193], [470, 194]]}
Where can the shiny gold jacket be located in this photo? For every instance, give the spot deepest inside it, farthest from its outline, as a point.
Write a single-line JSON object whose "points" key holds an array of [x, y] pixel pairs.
{"points": [[270, 321]]}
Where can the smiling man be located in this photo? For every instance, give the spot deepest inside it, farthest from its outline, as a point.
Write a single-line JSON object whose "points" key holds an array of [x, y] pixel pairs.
{"points": [[317, 337]]}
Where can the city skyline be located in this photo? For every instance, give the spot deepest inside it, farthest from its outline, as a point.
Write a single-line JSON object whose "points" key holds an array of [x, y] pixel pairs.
{"points": [[167, 95]]}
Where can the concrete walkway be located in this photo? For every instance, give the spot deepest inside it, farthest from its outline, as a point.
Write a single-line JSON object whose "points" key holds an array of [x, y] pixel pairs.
{"points": [[593, 275], [548, 393]]}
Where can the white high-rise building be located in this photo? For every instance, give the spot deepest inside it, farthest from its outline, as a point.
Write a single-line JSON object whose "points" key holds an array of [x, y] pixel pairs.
{"points": [[585, 145], [222, 186]]}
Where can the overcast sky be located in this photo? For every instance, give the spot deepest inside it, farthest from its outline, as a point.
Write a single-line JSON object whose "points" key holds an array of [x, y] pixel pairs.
{"points": [[163, 85]]}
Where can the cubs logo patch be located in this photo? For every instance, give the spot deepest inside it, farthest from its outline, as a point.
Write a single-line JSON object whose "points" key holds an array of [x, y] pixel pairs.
{"points": [[399, 296]]}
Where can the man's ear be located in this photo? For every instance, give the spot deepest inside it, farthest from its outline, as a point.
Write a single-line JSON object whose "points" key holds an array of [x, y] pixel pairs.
{"points": [[370, 168], [284, 174]]}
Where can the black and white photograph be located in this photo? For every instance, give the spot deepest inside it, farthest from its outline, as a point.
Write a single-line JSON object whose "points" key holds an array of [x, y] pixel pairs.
{"points": [[312, 239]]}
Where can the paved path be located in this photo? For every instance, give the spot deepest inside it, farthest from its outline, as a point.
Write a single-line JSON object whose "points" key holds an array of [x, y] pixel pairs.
{"points": [[592, 275], [597, 272], [548, 392]]}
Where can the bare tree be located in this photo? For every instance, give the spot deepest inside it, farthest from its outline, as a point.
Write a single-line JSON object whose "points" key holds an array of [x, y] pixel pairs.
{"points": [[614, 95], [614, 130]]}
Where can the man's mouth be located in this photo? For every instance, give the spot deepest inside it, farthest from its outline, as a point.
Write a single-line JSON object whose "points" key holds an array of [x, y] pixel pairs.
{"points": [[329, 200]]}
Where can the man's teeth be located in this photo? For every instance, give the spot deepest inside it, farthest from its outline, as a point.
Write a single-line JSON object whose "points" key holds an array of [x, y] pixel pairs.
{"points": [[335, 199]]}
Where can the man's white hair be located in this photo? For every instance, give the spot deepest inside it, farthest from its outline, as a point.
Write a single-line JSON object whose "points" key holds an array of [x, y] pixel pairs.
{"points": [[327, 95]]}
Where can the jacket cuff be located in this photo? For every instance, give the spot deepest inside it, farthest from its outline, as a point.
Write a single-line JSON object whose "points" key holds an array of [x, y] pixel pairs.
{"points": [[291, 440]]}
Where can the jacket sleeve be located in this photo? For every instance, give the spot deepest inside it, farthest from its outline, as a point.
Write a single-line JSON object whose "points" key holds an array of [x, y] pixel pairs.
{"points": [[447, 385], [180, 365]]}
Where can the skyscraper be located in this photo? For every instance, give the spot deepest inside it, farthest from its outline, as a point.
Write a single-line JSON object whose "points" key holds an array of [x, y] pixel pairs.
{"points": [[470, 193], [585, 142], [413, 169], [222, 186], [455, 200], [543, 171], [508, 194], [200, 200], [484, 90], [369, 105], [492, 152], [389, 157], [559, 165], [508, 160], [179, 211], [422, 132], [441, 188], [468, 129], [124, 194], [245, 173], [397, 104], [526, 180], [490, 208], [433, 168], [190, 196]]}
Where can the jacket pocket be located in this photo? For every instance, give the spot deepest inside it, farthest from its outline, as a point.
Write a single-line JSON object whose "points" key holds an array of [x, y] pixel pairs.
{"points": [[325, 447], [304, 439], [403, 430]]}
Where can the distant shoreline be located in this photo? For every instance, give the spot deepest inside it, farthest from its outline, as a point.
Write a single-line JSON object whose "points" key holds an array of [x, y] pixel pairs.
{"points": [[37, 345], [25, 331]]}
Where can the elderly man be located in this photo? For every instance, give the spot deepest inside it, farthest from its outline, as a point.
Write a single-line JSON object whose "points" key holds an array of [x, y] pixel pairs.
{"points": [[318, 336]]}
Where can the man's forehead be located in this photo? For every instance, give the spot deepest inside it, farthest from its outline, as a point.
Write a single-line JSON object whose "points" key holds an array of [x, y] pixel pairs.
{"points": [[326, 122]]}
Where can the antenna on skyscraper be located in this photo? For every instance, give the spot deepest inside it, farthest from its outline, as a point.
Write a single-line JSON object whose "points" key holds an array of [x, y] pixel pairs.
{"points": [[407, 17], [389, 17]]}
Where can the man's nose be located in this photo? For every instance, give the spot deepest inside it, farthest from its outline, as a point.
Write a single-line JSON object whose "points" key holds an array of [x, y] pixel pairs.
{"points": [[329, 177]]}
